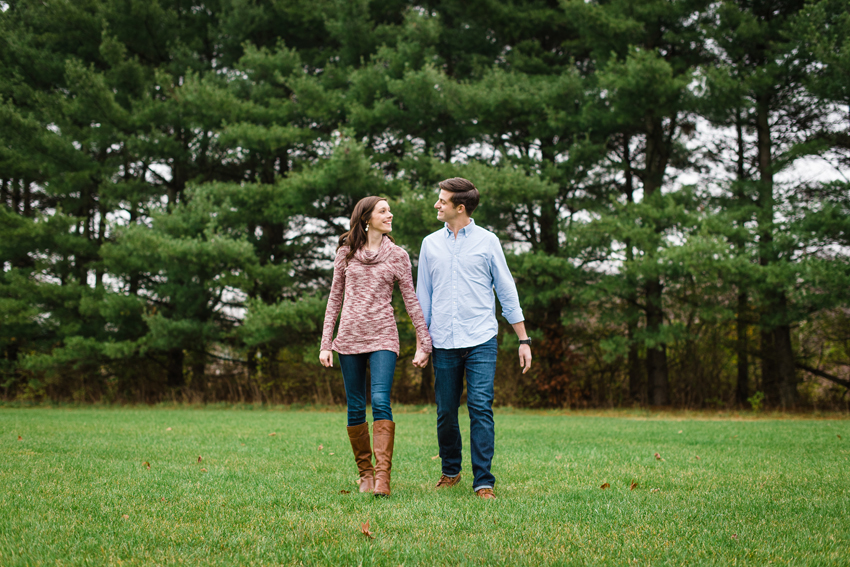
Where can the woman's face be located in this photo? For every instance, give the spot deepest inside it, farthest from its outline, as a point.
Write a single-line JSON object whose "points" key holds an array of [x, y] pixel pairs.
{"points": [[382, 218]]}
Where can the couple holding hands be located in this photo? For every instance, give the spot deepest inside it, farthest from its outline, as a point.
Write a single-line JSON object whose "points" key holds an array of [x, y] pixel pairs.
{"points": [[454, 312]]}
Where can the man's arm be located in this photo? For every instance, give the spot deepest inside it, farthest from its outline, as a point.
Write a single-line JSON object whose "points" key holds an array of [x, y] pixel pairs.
{"points": [[503, 282]]}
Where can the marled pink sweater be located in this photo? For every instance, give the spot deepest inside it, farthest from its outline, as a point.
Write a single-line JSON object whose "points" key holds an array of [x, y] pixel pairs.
{"points": [[368, 322]]}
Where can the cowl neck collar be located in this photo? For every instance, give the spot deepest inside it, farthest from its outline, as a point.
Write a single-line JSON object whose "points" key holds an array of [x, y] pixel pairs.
{"points": [[366, 257]]}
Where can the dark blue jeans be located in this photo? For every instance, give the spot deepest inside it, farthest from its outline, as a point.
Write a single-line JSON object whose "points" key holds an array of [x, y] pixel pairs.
{"points": [[382, 365], [479, 364]]}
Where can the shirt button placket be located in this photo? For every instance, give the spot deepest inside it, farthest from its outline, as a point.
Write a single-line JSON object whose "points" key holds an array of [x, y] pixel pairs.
{"points": [[454, 289]]}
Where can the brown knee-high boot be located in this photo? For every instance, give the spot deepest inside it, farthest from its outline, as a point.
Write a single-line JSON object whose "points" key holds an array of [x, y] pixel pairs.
{"points": [[359, 437], [384, 432]]}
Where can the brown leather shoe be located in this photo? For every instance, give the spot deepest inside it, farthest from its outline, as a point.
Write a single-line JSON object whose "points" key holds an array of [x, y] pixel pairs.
{"points": [[485, 493], [383, 431], [360, 444], [447, 481]]}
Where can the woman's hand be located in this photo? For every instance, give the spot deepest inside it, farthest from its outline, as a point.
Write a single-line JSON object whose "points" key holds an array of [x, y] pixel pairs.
{"points": [[420, 359], [326, 357]]}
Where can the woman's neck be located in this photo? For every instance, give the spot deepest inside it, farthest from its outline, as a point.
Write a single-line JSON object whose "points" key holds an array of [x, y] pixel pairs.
{"points": [[373, 240]]}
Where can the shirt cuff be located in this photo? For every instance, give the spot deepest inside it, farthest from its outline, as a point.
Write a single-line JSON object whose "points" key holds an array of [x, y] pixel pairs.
{"points": [[514, 316]]}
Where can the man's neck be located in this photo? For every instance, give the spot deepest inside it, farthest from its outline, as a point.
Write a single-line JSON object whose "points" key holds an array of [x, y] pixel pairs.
{"points": [[458, 224], [373, 240]]}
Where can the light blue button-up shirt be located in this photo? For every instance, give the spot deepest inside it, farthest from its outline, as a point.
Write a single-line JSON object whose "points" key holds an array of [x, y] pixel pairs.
{"points": [[455, 286]]}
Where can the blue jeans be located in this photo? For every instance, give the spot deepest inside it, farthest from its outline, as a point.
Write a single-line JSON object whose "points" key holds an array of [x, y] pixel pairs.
{"points": [[382, 365], [479, 364]]}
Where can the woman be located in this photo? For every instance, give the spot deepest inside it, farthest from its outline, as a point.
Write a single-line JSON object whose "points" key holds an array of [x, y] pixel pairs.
{"points": [[367, 265]]}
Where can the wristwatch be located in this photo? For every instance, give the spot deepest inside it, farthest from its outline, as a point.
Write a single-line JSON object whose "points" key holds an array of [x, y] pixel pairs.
{"points": [[526, 341]]}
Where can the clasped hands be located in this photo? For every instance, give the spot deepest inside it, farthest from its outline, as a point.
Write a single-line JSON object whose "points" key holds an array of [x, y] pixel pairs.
{"points": [[420, 359]]}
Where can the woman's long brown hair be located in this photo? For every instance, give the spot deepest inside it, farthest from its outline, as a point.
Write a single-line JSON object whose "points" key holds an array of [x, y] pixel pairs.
{"points": [[356, 237]]}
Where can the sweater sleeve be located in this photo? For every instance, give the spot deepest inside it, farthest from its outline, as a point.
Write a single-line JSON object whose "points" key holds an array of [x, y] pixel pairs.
{"points": [[334, 300], [404, 275]]}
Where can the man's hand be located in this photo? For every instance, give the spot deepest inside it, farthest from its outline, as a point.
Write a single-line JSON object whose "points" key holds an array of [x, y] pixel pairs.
{"points": [[326, 357], [524, 358], [420, 359], [524, 350]]}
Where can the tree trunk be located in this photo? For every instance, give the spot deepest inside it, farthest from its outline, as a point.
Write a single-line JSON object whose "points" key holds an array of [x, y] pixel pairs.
{"points": [[657, 156], [199, 371], [134, 275], [637, 391], [785, 363], [27, 198], [742, 387], [16, 197], [175, 368], [656, 356], [769, 372], [101, 235], [778, 374]]}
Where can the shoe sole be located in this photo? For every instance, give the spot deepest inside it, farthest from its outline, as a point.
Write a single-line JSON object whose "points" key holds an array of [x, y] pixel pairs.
{"points": [[449, 485]]}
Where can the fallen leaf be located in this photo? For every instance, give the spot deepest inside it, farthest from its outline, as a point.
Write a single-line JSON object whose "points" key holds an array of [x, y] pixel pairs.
{"points": [[272, 434], [633, 486], [21, 438], [655, 490], [125, 517], [199, 458], [203, 470], [345, 492], [364, 529], [147, 464], [604, 486], [734, 536], [168, 429], [162, 499], [837, 435], [657, 457], [697, 457], [321, 447], [435, 457]]}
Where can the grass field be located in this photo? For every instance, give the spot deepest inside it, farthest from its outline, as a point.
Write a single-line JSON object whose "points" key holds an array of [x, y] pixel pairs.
{"points": [[268, 490]]}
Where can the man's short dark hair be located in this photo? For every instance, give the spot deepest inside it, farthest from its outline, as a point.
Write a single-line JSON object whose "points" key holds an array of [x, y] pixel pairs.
{"points": [[463, 193]]}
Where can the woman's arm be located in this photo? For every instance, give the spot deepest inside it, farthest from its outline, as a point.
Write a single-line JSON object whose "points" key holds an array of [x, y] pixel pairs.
{"points": [[404, 275], [334, 305]]}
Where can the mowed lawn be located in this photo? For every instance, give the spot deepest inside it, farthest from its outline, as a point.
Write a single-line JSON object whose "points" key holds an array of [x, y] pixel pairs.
{"points": [[278, 487]]}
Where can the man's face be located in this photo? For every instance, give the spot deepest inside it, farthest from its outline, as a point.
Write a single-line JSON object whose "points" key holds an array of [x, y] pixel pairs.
{"points": [[446, 211]]}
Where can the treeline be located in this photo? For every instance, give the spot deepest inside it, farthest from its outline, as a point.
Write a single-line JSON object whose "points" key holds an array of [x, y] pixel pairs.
{"points": [[174, 175]]}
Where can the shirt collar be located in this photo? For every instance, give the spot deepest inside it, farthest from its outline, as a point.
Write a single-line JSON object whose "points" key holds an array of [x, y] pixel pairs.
{"points": [[465, 231]]}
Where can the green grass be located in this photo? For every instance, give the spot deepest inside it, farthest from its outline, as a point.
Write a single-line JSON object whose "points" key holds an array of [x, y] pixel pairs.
{"points": [[762, 491]]}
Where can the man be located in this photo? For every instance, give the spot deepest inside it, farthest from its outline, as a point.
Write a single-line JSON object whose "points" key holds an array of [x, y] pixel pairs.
{"points": [[459, 267]]}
